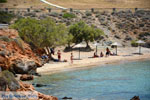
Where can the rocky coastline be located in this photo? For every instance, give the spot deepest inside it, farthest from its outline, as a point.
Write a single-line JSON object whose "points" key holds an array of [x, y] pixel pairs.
{"points": [[16, 57]]}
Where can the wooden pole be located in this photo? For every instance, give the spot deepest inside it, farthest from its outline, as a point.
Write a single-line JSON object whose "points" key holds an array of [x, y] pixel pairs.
{"points": [[116, 50], [79, 52]]}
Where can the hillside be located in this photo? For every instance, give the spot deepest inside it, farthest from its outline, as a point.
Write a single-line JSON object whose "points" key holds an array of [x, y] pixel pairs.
{"points": [[79, 4]]}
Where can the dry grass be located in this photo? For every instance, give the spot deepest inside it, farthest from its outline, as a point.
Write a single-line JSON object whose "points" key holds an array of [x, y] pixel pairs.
{"points": [[81, 4]]}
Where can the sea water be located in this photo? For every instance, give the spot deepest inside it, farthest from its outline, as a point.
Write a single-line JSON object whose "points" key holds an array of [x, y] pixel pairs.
{"points": [[110, 82]]}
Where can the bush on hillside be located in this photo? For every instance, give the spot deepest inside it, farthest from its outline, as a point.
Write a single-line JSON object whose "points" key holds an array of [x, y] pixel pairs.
{"points": [[5, 17], [88, 13], [144, 34], [3, 1], [69, 15], [5, 38], [54, 14], [18, 41], [40, 33], [134, 44]]}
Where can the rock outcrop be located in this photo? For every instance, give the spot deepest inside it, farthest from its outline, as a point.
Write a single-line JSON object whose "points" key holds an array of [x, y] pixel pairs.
{"points": [[26, 77], [9, 84], [135, 98], [15, 54], [7, 80]]}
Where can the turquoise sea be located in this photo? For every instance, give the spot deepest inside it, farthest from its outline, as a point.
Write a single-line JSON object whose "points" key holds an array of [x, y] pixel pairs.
{"points": [[109, 82]]}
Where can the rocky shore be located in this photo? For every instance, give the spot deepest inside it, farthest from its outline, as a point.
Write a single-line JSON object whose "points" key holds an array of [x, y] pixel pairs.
{"points": [[8, 83], [16, 57]]}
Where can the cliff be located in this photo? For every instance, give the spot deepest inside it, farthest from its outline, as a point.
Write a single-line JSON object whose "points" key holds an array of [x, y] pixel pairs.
{"points": [[15, 54]]}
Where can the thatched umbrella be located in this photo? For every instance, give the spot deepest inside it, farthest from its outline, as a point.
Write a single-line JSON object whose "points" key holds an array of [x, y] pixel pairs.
{"points": [[96, 44], [139, 43], [79, 46], [116, 44]]}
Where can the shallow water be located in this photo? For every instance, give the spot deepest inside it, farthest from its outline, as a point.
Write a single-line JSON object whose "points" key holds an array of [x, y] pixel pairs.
{"points": [[110, 82]]}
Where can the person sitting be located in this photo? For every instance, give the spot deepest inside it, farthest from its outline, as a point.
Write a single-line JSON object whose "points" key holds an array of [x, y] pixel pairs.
{"points": [[95, 55], [44, 56], [52, 51], [101, 54]]}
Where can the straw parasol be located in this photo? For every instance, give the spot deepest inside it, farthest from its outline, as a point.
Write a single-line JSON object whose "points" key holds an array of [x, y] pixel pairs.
{"points": [[116, 44], [79, 46], [139, 43], [96, 44]]}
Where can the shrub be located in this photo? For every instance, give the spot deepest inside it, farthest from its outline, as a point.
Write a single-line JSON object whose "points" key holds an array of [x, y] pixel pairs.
{"points": [[64, 11], [18, 41], [144, 34], [30, 14], [71, 10], [5, 38], [6, 17], [88, 13], [37, 10], [97, 15], [54, 14], [92, 10], [69, 15], [3, 1], [134, 44], [28, 9]]}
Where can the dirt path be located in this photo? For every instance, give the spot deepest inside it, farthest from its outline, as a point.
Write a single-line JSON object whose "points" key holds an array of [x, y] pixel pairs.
{"points": [[52, 4]]}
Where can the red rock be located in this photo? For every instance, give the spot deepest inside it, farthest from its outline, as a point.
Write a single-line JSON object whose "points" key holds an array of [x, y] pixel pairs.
{"points": [[26, 77]]}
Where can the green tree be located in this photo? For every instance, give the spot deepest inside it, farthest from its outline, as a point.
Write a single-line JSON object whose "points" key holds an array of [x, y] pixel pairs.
{"points": [[83, 32], [3, 1], [69, 15], [6, 17], [76, 31], [29, 30], [41, 33]]}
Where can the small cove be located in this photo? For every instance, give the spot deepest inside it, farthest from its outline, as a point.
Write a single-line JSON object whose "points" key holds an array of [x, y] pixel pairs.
{"points": [[109, 82]]}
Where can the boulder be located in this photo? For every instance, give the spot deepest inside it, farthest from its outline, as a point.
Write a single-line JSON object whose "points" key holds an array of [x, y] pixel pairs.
{"points": [[135, 98], [26, 77], [40, 85], [7, 79], [117, 36], [67, 98], [21, 66], [46, 97]]}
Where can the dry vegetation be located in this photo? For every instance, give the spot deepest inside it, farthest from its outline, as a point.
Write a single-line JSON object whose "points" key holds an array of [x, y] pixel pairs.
{"points": [[81, 4]]}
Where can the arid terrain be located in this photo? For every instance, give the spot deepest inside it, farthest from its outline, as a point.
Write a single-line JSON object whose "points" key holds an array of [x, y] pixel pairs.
{"points": [[79, 4]]}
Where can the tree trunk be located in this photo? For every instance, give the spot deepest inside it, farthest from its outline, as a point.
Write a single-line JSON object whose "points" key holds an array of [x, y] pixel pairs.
{"points": [[87, 45], [49, 53], [68, 45]]}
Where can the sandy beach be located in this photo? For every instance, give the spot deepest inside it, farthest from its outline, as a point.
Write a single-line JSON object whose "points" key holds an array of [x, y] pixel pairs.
{"points": [[124, 54]]}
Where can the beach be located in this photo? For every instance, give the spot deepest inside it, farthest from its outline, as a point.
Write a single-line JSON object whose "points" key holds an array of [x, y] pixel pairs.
{"points": [[124, 55]]}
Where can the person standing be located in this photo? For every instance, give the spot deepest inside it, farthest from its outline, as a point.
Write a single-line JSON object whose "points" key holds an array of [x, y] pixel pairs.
{"points": [[59, 55], [107, 52], [52, 51], [71, 58]]}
